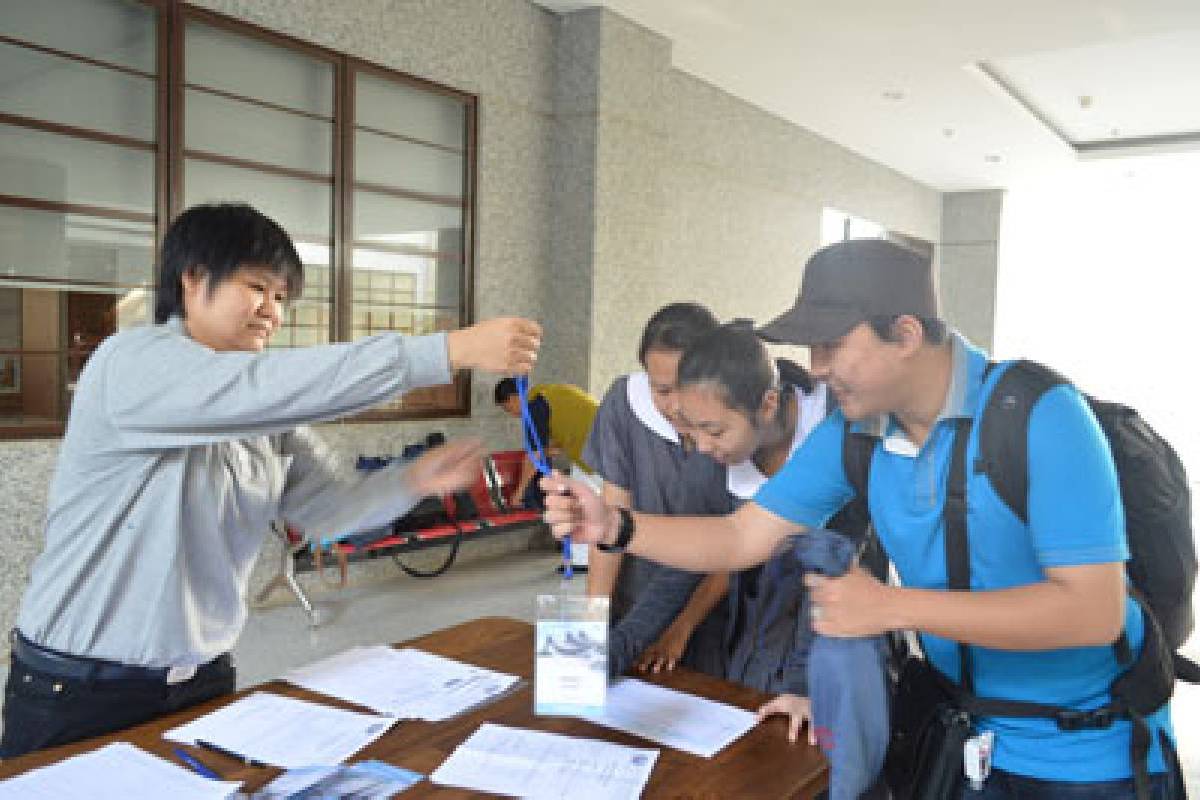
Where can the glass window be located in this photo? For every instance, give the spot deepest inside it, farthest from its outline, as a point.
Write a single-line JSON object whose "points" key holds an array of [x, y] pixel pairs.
{"points": [[78, 152], [396, 107], [400, 164], [250, 67], [304, 208], [50, 166], [217, 124], [120, 32], [57, 89], [90, 185]]}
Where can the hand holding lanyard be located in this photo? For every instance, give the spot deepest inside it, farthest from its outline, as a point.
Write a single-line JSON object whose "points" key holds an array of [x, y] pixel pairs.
{"points": [[537, 457]]}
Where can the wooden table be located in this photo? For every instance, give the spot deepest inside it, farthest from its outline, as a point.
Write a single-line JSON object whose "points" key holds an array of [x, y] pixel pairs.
{"points": [[762, 764]]}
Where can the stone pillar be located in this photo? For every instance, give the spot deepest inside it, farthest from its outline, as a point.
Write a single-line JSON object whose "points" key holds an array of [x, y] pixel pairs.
{"points": [[967, 263]]}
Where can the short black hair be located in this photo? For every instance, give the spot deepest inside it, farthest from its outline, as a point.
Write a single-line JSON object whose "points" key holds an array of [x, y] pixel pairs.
{"points": [[935, 330], [505, 389], [216, 240], [674, 327], [734, 360]]}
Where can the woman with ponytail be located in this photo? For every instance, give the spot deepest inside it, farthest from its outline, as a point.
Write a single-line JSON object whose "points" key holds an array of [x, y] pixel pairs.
{"points": [[751, 413]]}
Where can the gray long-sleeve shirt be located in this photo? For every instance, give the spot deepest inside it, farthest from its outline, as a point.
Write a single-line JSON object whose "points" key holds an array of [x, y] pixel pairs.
{"points": [[175, 461]]}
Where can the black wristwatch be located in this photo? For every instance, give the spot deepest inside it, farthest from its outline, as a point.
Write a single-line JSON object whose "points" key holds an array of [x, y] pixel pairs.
{"points": [[624, 533]]}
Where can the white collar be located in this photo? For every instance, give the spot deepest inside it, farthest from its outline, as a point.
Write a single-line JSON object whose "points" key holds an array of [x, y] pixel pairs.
{"points": [[637, 391], [744, 479]]}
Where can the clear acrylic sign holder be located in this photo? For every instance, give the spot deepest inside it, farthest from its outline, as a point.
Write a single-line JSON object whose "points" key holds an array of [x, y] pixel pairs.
{"points": [[570, 670]]}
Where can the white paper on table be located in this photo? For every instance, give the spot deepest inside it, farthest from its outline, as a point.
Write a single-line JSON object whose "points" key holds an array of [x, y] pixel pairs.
{"points": [[536, 764], [117, 771], [407, 683], [284, 731], [685, 722]]}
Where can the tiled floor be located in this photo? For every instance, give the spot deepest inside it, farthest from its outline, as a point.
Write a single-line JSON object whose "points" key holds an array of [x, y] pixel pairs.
{"points": [[278, 637]]}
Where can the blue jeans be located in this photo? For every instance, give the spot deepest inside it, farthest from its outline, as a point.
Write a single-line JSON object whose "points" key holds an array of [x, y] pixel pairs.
{"points": [[1006, 786]]}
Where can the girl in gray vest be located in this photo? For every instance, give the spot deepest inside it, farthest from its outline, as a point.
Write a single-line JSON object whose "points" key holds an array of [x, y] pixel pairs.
{"points": [[661, 616]]}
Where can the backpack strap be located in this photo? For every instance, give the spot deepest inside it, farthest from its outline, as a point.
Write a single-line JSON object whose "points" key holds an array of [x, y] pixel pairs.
{"points": [[958, 553], [1004, 430], [857, 450]]}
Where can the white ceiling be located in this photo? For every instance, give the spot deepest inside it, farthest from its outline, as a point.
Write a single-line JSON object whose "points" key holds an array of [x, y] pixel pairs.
{"points": [[958, 94]]}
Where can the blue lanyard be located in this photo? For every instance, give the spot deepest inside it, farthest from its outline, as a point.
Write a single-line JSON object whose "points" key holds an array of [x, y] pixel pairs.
{"points": [[538, 457]]}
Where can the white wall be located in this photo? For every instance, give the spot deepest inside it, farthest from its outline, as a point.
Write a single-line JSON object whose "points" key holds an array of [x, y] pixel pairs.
{"points": [[1099, 278]]}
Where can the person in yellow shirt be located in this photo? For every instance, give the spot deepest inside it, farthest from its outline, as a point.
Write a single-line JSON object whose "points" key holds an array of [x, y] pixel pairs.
{"points": [[562, 415]]}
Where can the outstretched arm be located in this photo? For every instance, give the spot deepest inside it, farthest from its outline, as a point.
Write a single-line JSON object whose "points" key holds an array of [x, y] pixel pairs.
{"points": [[742, 539]]}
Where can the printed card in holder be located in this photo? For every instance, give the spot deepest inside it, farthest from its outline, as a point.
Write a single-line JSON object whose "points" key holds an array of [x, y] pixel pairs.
{"points": [[570, 673]]}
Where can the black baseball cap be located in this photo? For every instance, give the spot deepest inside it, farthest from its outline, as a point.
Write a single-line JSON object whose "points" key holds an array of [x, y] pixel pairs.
{"points": [[853, 281]]}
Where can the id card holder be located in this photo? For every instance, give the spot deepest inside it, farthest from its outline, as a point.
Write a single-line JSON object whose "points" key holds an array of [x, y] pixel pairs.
{"points": [[977, 758], [570, 669]]}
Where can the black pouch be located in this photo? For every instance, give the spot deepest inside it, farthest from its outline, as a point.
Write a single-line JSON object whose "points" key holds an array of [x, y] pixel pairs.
{"points": [[925, 755]]}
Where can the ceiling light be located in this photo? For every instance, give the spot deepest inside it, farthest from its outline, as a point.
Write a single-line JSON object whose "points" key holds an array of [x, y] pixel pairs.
{"points": [[992, 158], [948, 133], [1085, 101], [893, 94]]}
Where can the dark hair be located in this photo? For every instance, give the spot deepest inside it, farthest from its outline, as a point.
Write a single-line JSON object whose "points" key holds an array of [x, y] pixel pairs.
{"points": [[674, 327], [736, 362], [216, 240], [935, 331], [505, 388]]}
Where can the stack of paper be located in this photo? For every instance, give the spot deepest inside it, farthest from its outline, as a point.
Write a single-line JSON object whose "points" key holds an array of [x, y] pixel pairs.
{"points": [[284, 731], [536, 764], [408, 683], [117, 771], [685, 722]]}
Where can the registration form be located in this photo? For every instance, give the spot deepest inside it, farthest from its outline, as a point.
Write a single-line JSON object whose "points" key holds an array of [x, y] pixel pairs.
{"points": [[283, 731], [540, 765], [406, 683], [683, 721]]}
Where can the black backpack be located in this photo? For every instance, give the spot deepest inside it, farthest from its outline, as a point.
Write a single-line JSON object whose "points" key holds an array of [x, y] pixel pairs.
{"points": [[1154, 491], [1157, 504]]}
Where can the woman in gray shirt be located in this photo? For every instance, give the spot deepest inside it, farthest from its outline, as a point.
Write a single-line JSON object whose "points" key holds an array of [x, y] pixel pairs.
{"points": [[181, 448], [660, 615]]}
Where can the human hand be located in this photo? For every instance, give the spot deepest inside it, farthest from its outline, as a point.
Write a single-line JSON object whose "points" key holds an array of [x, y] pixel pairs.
{"points": [[798, 710], [855, 604], [665, 653], [574, 509], [445, 469], [505, 345]]}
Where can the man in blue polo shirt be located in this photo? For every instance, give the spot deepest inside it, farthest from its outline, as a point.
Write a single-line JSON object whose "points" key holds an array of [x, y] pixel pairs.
{"points": [[1048, 599]]}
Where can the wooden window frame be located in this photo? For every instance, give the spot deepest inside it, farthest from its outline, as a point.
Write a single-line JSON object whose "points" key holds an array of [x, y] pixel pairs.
{"points": [[170, 154]]}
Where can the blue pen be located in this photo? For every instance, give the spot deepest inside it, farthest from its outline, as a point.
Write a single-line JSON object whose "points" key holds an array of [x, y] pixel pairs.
{"points": [[537, 456], [198, 766]]}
